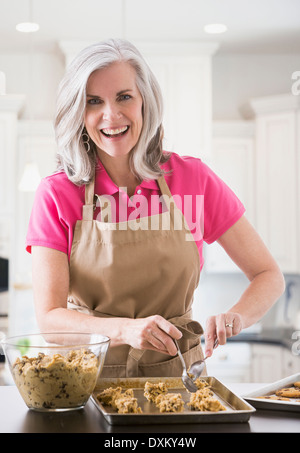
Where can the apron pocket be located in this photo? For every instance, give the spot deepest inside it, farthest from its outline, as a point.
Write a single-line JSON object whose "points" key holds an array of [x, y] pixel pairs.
{"points": [[172, 367], [113, 371]]}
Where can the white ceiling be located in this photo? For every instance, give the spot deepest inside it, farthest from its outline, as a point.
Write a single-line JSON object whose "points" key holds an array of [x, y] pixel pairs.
{"points": [[260, 26]]}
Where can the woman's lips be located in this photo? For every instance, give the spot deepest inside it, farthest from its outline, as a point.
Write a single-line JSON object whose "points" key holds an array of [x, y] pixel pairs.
{"points": [[116, 132]]}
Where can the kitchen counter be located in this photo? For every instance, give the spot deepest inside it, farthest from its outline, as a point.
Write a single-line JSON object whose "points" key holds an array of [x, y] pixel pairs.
{"points": [[281, 337], [15, 417]]}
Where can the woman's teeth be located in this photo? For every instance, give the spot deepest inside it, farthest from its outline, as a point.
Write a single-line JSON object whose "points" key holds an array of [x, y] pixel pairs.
{"points": [[115, 132]]}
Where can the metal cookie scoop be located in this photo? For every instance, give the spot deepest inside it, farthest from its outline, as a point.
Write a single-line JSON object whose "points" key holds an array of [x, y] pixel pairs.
{"points": [[187, 381], [196, 369]]}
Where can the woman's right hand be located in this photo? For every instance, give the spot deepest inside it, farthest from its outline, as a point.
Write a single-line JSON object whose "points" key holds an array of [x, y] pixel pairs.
{"points": [[154, 333]]}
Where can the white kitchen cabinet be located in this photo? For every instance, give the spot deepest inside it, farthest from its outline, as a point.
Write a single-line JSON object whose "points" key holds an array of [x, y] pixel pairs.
{"points": [[291, 363], [232, 159], [264, 171], [298, 186], [267, 362], [277, 132], [184, 75], [36, 143], [230, 362], [252, 362], [22, 319], [8, 122], [10, 107]]}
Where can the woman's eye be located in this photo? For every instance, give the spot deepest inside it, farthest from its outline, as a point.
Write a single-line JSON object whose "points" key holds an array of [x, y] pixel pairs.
{"points": [[125, 97], [94, 101]]}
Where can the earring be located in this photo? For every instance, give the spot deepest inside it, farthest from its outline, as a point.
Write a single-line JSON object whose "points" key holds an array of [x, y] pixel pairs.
{"points": [[86, 141]]}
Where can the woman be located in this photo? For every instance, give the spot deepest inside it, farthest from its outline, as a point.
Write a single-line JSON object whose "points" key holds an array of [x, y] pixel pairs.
{"points": [[116, 233]]}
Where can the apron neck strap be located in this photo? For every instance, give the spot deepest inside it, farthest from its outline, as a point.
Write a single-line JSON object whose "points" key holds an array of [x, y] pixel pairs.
{"points": [[88, 207], [164, 188]]}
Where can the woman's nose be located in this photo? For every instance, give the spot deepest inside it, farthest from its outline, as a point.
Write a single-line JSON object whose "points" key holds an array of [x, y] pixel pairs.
{"points": [[111, 112]]}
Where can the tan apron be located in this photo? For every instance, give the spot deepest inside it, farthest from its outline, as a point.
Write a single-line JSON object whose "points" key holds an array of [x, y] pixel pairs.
{"points": [[137, 269]]}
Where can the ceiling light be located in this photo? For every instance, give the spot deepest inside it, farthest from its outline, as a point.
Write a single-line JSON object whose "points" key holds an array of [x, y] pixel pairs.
{"points": [[27, 27], [215, 28]]}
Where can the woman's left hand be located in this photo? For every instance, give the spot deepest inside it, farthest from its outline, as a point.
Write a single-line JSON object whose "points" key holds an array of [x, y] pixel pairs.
{"points": [[221, 327]]}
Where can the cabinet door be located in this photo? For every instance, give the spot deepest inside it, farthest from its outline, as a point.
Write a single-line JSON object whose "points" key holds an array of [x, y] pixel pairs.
{"points": [[267, 363], [232, 160], [298, 184], [231, 362], [291, 363], [7, 161], [10, 105], [276, 184], [40, 149], [186, 89]]}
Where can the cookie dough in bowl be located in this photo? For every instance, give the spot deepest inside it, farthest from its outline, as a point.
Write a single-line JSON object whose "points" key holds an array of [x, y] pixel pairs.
{"points": [[56, 372]]}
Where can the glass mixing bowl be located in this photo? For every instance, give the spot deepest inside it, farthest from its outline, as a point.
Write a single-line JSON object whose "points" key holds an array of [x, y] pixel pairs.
{"points": [[56, 371]]}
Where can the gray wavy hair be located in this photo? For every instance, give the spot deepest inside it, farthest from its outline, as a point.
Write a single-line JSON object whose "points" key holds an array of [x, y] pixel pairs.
{"points": [[72, 156]]}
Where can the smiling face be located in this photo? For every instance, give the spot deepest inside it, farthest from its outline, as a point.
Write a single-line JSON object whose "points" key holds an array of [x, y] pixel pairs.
{"points": [[113, 115]]}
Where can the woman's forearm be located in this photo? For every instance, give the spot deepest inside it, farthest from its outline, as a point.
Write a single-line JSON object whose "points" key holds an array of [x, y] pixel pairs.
{"points": [[63, 319], [153, 332], [262, 292]]}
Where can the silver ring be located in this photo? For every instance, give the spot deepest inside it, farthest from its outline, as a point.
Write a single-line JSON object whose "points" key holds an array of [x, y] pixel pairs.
{"points": [[229, 325]]}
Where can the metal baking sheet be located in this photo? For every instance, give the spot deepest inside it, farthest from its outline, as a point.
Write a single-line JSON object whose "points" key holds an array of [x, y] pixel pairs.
{"points": [[269, 390], [237, 410]]}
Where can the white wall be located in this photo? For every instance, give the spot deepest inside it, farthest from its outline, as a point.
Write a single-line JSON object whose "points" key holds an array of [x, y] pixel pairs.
{"points": [[37, 77], [239, 77]]}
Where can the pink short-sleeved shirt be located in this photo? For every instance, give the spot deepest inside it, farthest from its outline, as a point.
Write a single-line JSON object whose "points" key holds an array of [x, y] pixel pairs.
{"points": [[209, 206]]}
